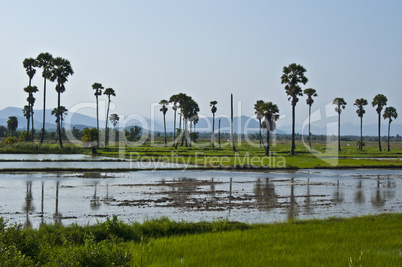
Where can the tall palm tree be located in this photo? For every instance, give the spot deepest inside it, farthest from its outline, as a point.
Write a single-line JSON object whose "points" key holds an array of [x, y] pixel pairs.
{"points": [[360, 103], [380, 101], [98, 91], [109, 92], [44, 61], [310, 92], [29, 65], [340, 104], [270, 114], [174, 99], [12, 124], [164, 109], [260, 113], [31, 100], [27, 114], [213, 110], [292, 76], [190, 109], [389, 113], [182, 99], [60, 72]]}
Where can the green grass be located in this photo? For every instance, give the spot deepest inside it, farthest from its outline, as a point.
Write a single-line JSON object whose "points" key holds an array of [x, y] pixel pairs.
{"points": [[365, 241], [36, 148]]}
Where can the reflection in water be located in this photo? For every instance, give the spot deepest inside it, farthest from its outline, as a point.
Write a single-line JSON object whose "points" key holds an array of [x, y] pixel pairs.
{"points": [[308, 208], [107, 199], [28, 205], [292, 211], [42, 204], [181, 190], [57, 216], [265, 194], [359, 196], [378, 198], [95, 200], [338, 195], [212, 187]]}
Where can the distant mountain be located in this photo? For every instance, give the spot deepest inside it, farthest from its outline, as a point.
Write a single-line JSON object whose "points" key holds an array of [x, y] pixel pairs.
{"points": [[242, 124]]}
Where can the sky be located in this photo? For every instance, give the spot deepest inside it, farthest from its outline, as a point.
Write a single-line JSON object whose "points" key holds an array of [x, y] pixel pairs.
{"points": [[149, 50]]}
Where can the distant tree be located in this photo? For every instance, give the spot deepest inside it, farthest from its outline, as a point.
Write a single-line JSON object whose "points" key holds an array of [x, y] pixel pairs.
{"points": [[360, 103], [31, 100], [310, 93], [270, 115], [164, 109], [60, 71], [98, 91], [134, 134], [12, 124], [213, 110], [292, 76], [340, 104], [44, 61], [380, 101], [390, 113], [114, 119], [190, 109], [90, 135], [109, 92], [3, 131], [260, 114], [29, 65], [59, 113]]}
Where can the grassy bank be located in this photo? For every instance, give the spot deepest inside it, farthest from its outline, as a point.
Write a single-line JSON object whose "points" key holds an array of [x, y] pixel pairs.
{"points": [[366, 241], [37, 148]]}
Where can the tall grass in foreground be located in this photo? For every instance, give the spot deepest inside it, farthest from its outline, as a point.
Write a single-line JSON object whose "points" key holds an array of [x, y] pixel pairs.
{"points": [[365, 241]]}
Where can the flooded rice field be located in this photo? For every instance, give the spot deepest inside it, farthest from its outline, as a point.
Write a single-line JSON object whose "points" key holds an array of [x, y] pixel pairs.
{"points": [[35, 198]]}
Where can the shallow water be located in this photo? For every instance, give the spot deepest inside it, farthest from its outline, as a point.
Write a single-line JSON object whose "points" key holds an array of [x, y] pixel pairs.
{"points": [[50, 157], [197, 195]]}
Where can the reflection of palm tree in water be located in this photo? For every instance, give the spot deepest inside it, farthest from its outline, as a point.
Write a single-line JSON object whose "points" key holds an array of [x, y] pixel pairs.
{"points": [[41, 206], [359, 197], [107, 199], [95, 200], [292, 212], [28, 204], [338, 195], [378, 200], [57, 216], [264, 193], [308, 208]]}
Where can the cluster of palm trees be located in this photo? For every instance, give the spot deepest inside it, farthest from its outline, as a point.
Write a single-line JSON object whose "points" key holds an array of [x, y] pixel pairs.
{"points": [[114, 119], [188, 110], [56, 70]]}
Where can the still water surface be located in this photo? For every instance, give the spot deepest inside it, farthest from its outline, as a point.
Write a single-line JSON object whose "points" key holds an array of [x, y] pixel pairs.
{"points": [[34, 198]]}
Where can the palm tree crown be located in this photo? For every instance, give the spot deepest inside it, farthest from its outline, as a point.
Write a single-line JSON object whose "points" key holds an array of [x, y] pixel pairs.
{"points": [[360, 103], [340, 104]]}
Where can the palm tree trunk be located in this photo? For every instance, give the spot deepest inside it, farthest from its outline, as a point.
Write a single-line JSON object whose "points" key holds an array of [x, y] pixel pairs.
{"points": [[213, 129], [164, 124], [309, 122], [339, 130], [32, 123], [97, 116], [267, 148], [293, 129], [379, 131], [231, 124], [181, 133], [190, 133], [186, 130], [219, 133], [361, 133], [29, 117], [44, 111], [389, 130], [59, 119], [259, 119], [174, 128], [107, 116]]}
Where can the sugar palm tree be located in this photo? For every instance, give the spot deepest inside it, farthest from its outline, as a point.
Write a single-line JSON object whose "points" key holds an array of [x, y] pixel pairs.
{"points": [[44, 61], [98, 91], [310, 93], [213, 110], [27, 114], [60, 72], [270, 115], [190, 109], [380, 101], [260, 113], [29, 65], [360, 103], [174, 99], [109, 92], [164, 109], [292, 76], [12, 124], [31, 100], [59, 113], [340, 104], [114, 119], [389, 113]]}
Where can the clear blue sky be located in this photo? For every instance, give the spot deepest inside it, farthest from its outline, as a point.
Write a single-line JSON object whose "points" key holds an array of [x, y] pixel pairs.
{"points": [[149, 50]]}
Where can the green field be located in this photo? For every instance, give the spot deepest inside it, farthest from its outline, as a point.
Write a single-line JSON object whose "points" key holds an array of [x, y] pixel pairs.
{"points": [[364, 241]]}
